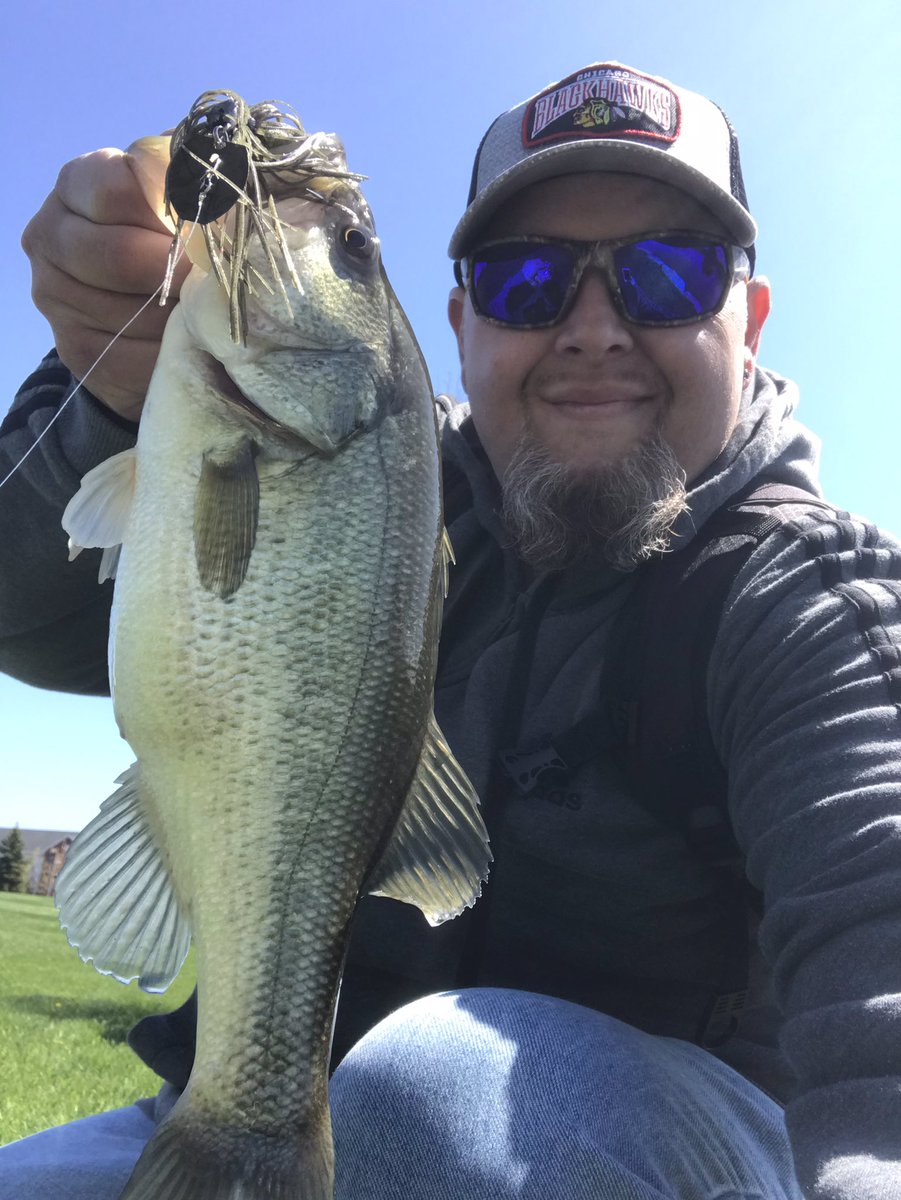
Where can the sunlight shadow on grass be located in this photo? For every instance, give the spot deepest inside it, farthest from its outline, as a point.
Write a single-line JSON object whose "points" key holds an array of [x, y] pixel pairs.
{"points": [[114, 1018]]}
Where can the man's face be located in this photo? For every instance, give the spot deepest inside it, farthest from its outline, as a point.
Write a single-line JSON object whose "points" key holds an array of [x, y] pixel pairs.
{"points": [[595, 387]]}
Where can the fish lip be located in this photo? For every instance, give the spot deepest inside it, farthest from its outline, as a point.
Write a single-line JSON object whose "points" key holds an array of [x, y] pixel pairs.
{"points": [[226, 388]]}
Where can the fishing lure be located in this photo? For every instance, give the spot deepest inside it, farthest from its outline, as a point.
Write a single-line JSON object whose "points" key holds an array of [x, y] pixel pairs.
{"points": [[228, 162], [208, 167], [226, 159]]}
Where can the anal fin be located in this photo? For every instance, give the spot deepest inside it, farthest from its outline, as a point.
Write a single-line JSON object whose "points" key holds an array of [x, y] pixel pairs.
{"points": [[438, 857], [115, 898]]}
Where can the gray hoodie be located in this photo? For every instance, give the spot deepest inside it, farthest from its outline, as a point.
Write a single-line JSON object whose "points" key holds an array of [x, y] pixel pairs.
{"points": [[592, 899]]}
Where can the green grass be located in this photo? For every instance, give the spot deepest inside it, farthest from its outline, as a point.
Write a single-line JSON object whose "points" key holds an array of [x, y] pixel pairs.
{"points": [[63, 1026]]}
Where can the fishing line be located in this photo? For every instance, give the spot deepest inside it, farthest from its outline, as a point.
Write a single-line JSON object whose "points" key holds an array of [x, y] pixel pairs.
{"points": [[279, 142], [162, 290]]}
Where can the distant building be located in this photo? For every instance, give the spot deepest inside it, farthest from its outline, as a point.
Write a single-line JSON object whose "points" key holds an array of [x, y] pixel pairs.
{"points": [[52, 862], [47, 850]]}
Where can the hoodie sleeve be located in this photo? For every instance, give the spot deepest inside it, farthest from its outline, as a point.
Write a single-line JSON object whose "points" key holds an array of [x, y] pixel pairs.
{"points": [[805, 710], [54, 616]]}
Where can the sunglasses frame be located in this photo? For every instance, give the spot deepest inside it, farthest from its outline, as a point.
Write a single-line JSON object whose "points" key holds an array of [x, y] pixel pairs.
{"points": [[599, 254]]}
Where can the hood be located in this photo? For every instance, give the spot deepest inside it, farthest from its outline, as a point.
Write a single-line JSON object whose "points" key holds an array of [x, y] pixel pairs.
{"points": [[767, 444]]}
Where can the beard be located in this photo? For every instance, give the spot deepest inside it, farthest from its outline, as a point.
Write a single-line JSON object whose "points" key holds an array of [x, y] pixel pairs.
{"points": [[621, 513]]}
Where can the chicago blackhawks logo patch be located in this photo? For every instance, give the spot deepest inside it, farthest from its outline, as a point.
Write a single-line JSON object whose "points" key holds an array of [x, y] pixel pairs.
{"points": [[603, 101]]}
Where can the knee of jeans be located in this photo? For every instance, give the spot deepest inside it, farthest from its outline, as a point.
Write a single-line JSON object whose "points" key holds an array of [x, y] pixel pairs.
{"points": [[534, 1077], [490, 1038]]}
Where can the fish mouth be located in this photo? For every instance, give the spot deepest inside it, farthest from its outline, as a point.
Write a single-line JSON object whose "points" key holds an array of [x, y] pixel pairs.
{"points": [[229, 391]]}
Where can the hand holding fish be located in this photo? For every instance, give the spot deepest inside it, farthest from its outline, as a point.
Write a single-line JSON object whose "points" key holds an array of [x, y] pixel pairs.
{"points": [[98, 251]]}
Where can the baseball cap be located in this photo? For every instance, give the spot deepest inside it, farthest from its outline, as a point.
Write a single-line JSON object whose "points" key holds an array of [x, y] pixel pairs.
{"points": [[610, 117]]}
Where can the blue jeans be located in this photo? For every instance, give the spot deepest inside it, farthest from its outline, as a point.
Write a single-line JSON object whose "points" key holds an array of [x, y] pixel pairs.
{"points": [[489, 1093]]}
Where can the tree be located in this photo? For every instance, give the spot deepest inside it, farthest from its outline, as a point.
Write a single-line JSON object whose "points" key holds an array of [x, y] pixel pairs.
{"points": [[12, 862]]}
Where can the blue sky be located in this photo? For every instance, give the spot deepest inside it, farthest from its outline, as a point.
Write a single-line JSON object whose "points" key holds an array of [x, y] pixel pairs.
{"points": [[812, 88]]}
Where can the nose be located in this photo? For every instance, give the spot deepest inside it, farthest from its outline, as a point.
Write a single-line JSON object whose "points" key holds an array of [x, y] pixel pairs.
{"points": [[592, 325]]}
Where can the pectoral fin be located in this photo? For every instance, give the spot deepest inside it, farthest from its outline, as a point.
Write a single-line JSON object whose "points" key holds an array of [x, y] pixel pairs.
{"points": [[226, 513], [97, 515], [438, 856], [115, 898]]}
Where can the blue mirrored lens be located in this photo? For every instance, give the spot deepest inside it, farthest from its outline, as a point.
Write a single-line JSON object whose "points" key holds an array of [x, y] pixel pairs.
{"points": [[527, 283], [524, 284], [669, 281]]}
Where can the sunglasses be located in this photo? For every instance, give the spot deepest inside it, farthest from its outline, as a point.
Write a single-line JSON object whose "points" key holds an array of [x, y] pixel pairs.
{"points": [[669, 278]]}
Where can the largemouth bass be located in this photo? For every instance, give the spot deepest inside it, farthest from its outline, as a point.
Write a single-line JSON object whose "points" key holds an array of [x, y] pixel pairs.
{"points": [[275, 622]]}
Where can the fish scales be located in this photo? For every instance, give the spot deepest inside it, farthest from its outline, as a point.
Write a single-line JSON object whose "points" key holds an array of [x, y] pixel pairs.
{"points": [[303, 748], [273, 647], [293, 780]]}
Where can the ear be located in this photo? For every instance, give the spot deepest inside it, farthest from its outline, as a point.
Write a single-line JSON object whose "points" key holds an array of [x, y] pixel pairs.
{"points": [[455, 302], [759, 302]]}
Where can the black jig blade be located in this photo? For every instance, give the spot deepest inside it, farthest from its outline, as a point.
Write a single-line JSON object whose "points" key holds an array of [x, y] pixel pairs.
{"points": [[211, 137]]}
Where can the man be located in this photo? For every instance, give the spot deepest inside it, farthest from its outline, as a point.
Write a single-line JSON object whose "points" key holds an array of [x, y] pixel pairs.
{"points": [[608, 321]]}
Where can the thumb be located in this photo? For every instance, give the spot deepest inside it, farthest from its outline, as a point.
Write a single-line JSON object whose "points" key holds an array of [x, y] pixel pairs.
{"points": [[148, 159]]}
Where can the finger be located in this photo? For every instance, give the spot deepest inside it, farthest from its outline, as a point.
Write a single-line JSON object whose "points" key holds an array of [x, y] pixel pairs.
{"points": [[118, 258], [66, 301], [121, 378], [103, 187], [148, 159]]}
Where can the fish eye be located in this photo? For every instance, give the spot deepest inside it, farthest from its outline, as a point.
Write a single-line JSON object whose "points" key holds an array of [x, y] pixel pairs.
{"points": [[359, 243]]}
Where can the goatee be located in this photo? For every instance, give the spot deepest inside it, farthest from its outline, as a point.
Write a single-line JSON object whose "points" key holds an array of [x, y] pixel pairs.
{"points": [[622, 513]]}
